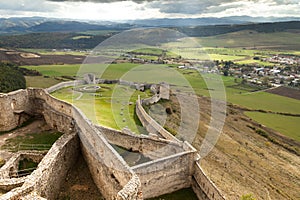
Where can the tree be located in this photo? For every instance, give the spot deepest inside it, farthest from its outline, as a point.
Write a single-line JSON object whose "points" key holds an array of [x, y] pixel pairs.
{"points": [[11, 78], [265, 81], [225, 72]]}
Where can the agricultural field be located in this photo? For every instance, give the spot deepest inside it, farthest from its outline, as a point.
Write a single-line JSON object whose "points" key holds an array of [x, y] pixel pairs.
{"points": [[115, 70], [55, 52], [253, 40], [240, 47], [40, 81], [286, 125]]}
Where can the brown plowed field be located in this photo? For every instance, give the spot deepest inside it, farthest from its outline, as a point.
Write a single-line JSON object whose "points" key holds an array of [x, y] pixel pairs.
{"points": [[286, 92], [18, 57]]}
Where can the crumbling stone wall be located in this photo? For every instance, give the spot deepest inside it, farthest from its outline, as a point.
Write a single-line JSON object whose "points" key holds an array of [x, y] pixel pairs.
{"points": [[101, 157], [166, 175], [110, 172], [14, 109], [150, 124], [172, 170], [12, 165], [152, 148], [46, 180], [63, 85], [204, 187]]}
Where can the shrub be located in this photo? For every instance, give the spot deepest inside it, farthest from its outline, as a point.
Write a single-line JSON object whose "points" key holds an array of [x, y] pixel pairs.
{"points": [[247, 197]]}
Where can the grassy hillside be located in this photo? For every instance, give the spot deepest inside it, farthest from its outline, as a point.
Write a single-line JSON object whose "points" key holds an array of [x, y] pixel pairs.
{"points": [[253, 39], [286, 125]]}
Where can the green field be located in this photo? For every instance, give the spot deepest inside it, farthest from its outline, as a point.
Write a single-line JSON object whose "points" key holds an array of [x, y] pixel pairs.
{"points": [[286, 125], [236, 93], [242, 95], [40, 81], [114, 105], [56, 52], [252, 39], [114, 71]]}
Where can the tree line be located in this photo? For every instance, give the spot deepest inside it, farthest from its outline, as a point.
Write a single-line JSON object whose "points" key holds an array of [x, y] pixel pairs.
{"points": [[11, 78]]}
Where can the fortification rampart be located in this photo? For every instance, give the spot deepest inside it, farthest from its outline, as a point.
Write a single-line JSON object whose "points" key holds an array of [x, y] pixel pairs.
{"points": [[150, 124], [152, 148], [10, 169], [201, 183], [14, 108], [166, 175], [64, 85], [173, 166], [46, 180], [110, 172]]}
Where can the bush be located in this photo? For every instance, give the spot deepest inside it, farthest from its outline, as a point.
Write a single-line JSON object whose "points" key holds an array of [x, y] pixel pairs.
{"points": [[169, 111], [247, 197]]}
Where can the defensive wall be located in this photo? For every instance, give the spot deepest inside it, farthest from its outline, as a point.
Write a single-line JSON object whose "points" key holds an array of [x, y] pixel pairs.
{"points": [[111, 173], [150, 124], [174, 163], [203, 187]]}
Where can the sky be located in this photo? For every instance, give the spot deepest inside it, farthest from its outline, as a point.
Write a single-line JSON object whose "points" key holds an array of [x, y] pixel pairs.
{"points": [[116, 10]]}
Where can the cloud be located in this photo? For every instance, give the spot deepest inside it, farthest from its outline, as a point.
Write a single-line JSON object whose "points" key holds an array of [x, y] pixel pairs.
{"points": [[141, 9], [27, 5], [187, 7], [221, 8], [102, 1]]}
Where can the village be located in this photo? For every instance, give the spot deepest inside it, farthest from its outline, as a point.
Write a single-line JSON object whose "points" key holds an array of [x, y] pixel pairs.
{"points": [[283, 71]]}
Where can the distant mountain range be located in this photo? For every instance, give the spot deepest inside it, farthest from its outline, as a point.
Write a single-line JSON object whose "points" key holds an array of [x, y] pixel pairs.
{"points": [[39, 24]]}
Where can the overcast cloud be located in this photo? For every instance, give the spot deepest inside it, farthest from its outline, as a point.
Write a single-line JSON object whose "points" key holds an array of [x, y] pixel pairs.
{"points": [[141, 9]]}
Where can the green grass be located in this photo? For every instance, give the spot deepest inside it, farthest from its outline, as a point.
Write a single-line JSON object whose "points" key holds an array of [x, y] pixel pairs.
{"points": [[110, 107], [40, 81], [187, 194], [46, 138], [225, 57], [242, 95], [57, 52], [264, 101], [149, 51], [114, 71], [286, 125]]}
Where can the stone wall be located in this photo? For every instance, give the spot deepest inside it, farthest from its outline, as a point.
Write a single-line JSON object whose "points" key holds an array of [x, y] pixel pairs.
{"points": [[64, 84], [152, 148], [166, 175], [150, 124], [202, 182], [14, 108], [11, 166], [46, 180], [109, 171], [173, 166]]}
